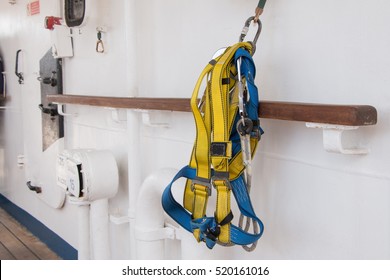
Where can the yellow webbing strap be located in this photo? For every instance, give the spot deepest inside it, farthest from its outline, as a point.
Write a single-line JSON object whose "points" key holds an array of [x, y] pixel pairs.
{"points": [[220, 107], [196, 195], [214, 122]]}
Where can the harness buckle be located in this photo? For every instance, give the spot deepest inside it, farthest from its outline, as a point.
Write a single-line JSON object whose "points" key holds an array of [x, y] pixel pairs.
{"points": [[213, 233], [202, 182], [221, 176], [256, 131], [221, 149]]}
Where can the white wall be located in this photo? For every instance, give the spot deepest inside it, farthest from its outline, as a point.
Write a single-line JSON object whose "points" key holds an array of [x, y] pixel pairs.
{"points": [[314, 204]]}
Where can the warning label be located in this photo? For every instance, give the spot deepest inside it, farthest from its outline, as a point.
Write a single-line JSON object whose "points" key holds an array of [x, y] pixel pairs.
{"points": [[33, 8]]}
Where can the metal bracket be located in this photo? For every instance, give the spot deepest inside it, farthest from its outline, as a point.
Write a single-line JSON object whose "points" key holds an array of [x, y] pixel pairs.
{"points": [[157, 234], [119, 220], [60, 110], [21, 161], [340, 139], [147, 120], [117, 115]]}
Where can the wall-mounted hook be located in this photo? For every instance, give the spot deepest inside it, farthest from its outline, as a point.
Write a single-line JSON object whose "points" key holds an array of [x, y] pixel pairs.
{"points": [[33, 188], [99, 43], [49, 80], [50, 110]]}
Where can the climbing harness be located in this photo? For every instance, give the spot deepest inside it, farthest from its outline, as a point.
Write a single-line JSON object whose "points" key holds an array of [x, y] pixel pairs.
{"points": [[227, 133]]}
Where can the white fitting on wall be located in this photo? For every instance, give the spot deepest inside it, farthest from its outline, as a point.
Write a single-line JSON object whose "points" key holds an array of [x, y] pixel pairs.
{"points": [[150, 216], [153, 226], [90, 178], [88, 174], [334, 141]]}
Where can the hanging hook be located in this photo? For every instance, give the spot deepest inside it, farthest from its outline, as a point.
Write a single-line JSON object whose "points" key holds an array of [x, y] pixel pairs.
{"points": [[33, 188], [245, 30], [99, 43]]}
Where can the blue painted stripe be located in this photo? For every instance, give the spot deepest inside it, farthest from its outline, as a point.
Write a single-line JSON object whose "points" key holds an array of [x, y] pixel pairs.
{"points": [[51, 239]]}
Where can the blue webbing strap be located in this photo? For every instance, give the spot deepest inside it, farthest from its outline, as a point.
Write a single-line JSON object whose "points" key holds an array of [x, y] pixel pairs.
{"points": [[183, 217]]}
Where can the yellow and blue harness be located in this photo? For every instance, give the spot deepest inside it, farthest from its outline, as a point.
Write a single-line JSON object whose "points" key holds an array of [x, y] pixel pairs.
{"points": [[227, 133]]}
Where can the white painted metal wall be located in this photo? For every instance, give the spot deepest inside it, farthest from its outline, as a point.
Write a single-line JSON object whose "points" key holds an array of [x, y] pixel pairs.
{"points": [[314, 204]]}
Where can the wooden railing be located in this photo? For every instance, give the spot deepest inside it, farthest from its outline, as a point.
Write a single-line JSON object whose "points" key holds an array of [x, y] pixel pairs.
{"points": [[351, 115]]}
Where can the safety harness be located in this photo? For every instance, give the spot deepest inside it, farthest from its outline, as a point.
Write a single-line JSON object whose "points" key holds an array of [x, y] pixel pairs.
{"points": [[227, 134]]}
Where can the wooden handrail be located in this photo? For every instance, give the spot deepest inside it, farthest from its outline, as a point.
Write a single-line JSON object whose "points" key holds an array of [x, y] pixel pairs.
{"points": [[352, 115]]}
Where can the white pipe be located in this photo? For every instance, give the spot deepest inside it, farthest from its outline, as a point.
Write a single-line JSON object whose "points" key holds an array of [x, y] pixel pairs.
{"points": [[134, 172], [83, 249], [133, 127], [150, 214], [130, 18], [150, 224], [99, 230]]}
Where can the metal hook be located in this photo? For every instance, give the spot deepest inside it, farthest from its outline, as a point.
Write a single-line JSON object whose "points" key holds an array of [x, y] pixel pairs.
{"points": [[49, 80], [33, 188], [99, 43], [245, 30]]}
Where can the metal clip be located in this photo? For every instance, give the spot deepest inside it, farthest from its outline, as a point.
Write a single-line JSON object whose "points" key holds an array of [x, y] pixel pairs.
{"points": [[99, 43], [241, 107], [245, 30], [221, 177]]}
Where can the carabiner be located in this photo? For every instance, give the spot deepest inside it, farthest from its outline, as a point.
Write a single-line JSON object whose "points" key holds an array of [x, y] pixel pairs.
{"points": [[245, 30], [99, 43]]}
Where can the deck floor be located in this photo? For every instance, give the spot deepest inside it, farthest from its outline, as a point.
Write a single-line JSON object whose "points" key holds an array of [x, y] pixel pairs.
{"points": [[17, 243]]}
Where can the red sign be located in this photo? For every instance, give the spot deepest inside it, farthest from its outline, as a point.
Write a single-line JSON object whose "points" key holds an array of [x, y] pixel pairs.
{"points": [[33, 8]]}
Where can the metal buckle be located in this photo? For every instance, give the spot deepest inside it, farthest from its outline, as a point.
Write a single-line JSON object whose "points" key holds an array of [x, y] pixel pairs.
{"points": [[256, 131], [221, 176], [221, 149], [202, 182]]}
